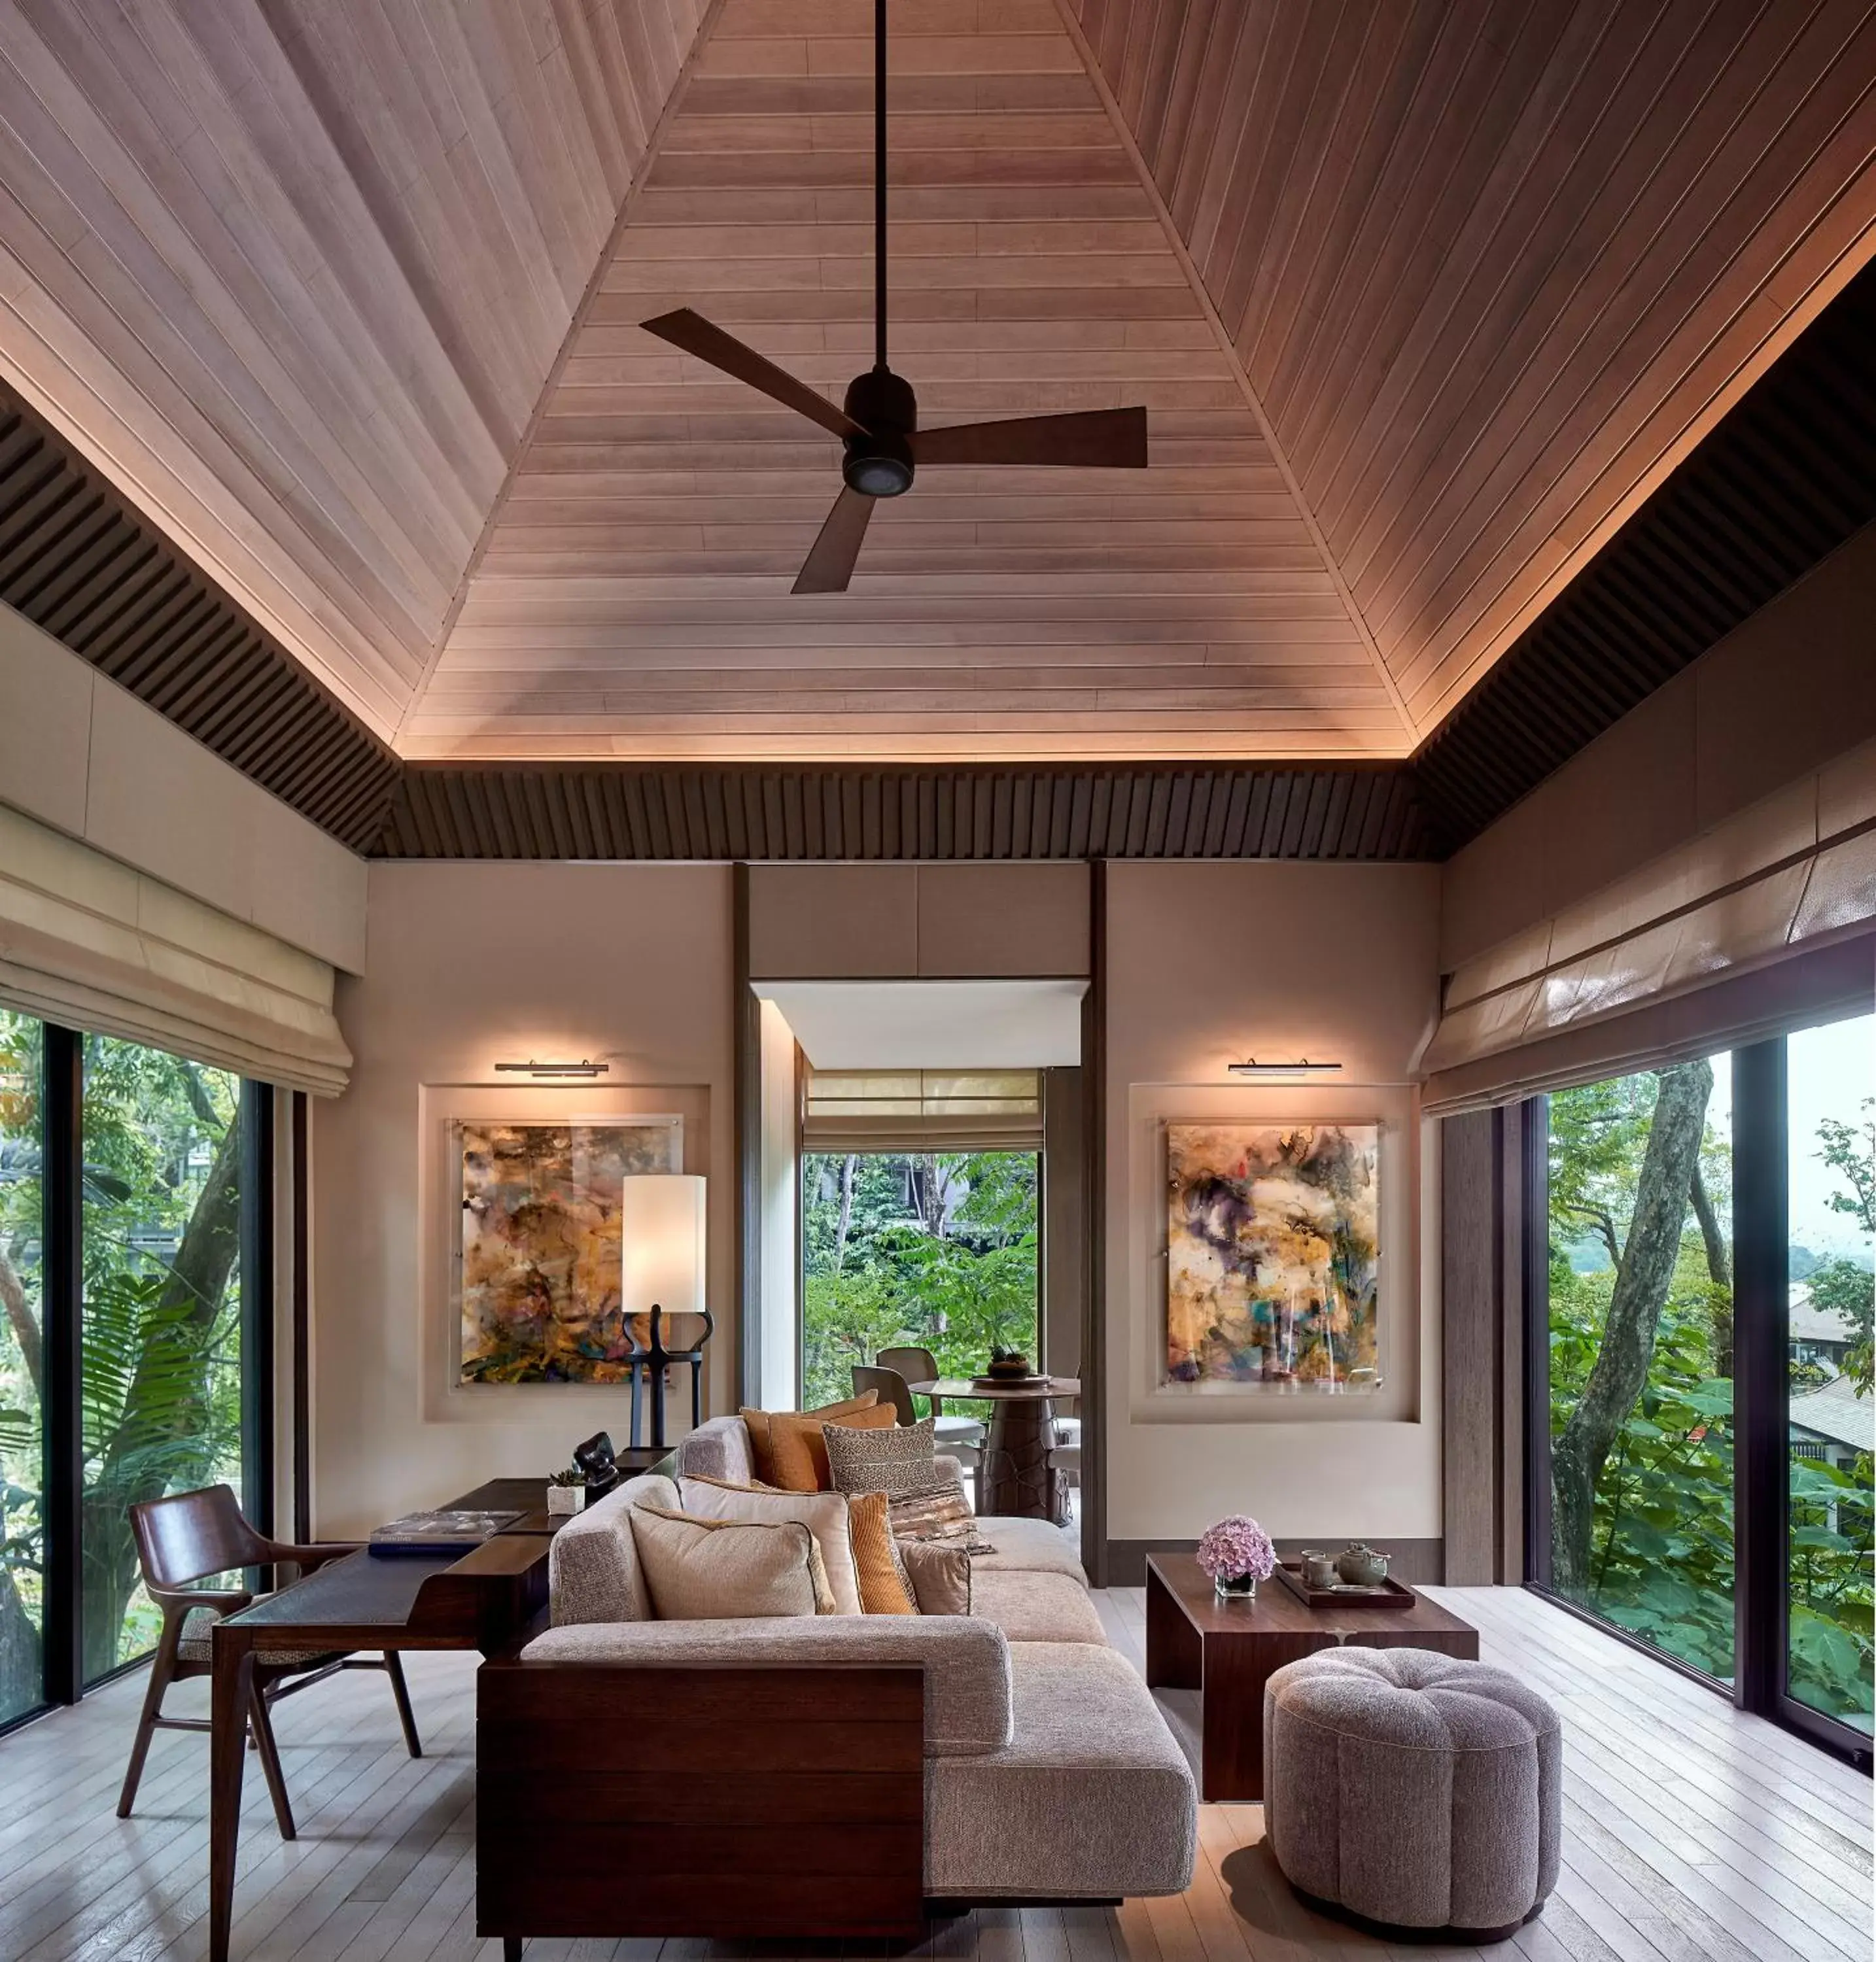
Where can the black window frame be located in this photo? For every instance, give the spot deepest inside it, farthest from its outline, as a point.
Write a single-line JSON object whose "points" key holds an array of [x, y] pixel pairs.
{"points": [[62, 1681], [1761, 1441]]}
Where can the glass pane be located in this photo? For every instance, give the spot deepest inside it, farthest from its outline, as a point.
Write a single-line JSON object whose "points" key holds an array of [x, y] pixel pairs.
{"points": [[161, 1322], [1640, 1355], [1831, 1126], [933, 1250], [22, 1461]]}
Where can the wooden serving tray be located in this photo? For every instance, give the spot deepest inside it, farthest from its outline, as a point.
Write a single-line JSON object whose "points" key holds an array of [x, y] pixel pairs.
{"points": [[1391, 1593]]}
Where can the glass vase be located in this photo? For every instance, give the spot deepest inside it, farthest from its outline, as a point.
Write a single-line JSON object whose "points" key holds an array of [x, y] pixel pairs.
{"points": [[1235, 1587]]}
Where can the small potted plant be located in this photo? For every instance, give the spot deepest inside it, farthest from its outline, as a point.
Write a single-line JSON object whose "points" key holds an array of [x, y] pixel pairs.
{"points": [[1237, 1553], [567, 1491]]}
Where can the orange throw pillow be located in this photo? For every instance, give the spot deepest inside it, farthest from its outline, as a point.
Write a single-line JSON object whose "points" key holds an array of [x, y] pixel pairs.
{"points": [[762, 1442], [884, 1589], [799, 1452]]}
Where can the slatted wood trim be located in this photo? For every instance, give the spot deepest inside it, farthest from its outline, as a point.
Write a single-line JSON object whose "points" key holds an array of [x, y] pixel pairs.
{"points": [[1492, 270], [294, 273], [621, 811], [633, 602], [76, 560], [1786, 477]]}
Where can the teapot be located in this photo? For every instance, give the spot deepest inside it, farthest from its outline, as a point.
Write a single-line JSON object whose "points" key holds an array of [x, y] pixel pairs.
{"points": [[1360, 1566]]}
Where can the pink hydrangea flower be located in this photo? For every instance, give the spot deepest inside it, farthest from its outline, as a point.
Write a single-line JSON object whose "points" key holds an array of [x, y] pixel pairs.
{"points": [[1235, 1548]]}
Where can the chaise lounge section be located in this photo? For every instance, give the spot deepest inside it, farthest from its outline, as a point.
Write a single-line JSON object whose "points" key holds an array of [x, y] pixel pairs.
{"points": [[900, 1762]]}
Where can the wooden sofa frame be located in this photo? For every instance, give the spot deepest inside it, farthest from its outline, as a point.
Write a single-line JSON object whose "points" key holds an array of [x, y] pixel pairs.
{"points": [[613, 1800]]}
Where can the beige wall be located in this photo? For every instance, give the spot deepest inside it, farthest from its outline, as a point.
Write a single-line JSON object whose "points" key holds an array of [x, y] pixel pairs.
{"points": [[466, 966], [83, 754], [1793, 687], [1205, 964]]}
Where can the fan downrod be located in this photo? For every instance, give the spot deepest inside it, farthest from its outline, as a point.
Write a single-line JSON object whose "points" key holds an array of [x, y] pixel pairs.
{"points": [[877, 463]]}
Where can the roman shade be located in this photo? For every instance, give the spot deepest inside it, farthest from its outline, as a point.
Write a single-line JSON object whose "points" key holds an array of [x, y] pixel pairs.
{"points": [[1764, 921], [88, 942], [923, 1111]]}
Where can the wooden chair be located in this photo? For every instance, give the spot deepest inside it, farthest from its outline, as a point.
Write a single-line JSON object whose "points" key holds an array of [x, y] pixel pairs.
{"points": [[185, 1538]]}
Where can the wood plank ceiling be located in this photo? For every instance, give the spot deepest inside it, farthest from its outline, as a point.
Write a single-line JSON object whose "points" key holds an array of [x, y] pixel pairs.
{"points": [[633, 598], [1424, 297], [1492, 268], [293, 274]]}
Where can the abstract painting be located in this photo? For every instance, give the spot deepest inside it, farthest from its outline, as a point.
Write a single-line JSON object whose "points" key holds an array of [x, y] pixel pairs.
{"points": [[1272, 1257], [541, 1277]]}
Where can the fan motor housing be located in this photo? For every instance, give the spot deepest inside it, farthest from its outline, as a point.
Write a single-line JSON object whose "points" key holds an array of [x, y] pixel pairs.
{"points": [[879, 463]]}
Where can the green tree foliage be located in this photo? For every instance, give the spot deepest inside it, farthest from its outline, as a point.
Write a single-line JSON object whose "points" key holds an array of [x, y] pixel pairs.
{"points": [[933, 1249], [161, 1384]]}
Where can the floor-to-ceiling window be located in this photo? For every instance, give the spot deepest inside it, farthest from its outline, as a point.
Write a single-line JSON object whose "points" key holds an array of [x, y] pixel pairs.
{"points": [[1641, 1356], [22, 1431], [1830, 1129], [936, 1250], [1701, 1344], [135, 1349], [161, 1325]]}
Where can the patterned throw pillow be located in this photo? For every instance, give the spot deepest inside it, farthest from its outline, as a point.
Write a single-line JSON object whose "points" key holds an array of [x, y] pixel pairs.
{"points": [[941, 1514], [894, 1461]]}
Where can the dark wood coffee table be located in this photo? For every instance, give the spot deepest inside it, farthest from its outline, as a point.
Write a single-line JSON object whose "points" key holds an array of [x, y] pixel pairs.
{"points": [[1227, 1650]]}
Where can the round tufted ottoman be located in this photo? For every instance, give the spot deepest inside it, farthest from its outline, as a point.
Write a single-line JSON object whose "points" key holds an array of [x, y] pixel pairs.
{"points": [[1412, 1790]]}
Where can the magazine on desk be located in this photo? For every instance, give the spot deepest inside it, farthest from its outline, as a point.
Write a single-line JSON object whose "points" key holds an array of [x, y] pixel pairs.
{"points": [[438, 1532]]}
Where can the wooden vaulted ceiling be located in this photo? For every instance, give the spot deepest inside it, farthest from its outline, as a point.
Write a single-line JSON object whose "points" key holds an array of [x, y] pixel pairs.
{"points": [[1424, 299]]}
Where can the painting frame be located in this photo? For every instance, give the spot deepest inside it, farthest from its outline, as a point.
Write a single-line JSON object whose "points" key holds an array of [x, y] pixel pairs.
{"points": [[568, 1235], [1272, 1259]]}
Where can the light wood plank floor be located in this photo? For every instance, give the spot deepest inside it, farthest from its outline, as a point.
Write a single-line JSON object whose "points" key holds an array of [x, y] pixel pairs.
{"points": [[1692, 1833]]}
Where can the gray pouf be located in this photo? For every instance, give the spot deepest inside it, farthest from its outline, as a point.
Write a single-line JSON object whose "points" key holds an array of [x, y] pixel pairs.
{"points": [[1412, 1790]]}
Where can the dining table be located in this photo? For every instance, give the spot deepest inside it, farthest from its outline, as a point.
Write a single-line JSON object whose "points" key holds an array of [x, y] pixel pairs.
{"points": [[1018, 1478]]}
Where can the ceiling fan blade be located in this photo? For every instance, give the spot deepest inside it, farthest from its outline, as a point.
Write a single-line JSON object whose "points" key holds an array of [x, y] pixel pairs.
{"points": [[830, 565], [1105, 439], [694, 335]]}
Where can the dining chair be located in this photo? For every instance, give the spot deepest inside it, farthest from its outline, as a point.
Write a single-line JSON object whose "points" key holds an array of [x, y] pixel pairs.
{"points": [[188, 1537], [960, 1437]]}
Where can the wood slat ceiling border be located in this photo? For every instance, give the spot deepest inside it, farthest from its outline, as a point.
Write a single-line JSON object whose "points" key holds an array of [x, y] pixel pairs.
{"points": [[620, 812], [1788, 475], [294, 272], [76, 560], [1492, 269]]}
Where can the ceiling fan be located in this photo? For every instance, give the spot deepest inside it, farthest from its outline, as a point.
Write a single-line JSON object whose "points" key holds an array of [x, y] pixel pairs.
{"points": [[878, 422]]}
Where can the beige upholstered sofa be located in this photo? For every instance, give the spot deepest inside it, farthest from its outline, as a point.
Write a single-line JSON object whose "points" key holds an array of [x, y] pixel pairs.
{"points": [[1044, 1770]]}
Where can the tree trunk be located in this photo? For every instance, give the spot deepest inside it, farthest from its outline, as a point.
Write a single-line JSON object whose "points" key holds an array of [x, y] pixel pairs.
{"points": [[1719, 1271], [157, 1411], [19, 1312], [1620, 1369], [847, 1166], [21, 1681]]}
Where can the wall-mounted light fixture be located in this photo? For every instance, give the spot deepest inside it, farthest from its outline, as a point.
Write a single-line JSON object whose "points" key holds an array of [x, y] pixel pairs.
{"points": [[1302, 1067], [582, 1068]]}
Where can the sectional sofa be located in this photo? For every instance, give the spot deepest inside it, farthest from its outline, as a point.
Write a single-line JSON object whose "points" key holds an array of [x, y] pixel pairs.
{"points": [[835, 1775]]}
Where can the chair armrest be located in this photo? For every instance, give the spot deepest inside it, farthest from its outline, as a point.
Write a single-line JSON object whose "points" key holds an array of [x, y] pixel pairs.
{"points": [[178, 1602], [309, 1558]]}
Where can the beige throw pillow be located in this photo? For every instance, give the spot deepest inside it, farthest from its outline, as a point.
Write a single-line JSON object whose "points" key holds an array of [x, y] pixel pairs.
{"points": [[823, 1513], [727, 1569]]}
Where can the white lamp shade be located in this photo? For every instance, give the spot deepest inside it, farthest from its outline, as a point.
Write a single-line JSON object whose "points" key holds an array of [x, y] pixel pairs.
{"points": [[661, 1239]]}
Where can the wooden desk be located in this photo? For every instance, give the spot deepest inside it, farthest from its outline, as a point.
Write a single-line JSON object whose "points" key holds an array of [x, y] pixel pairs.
{"points": [[483, 1599], [1227, 1650], [1018, 1478]]}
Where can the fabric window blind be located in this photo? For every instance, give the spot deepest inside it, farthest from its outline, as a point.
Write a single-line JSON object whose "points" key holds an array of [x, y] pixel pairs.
{"points": [[1764, 921], [88, 942], [925, 1110]]}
